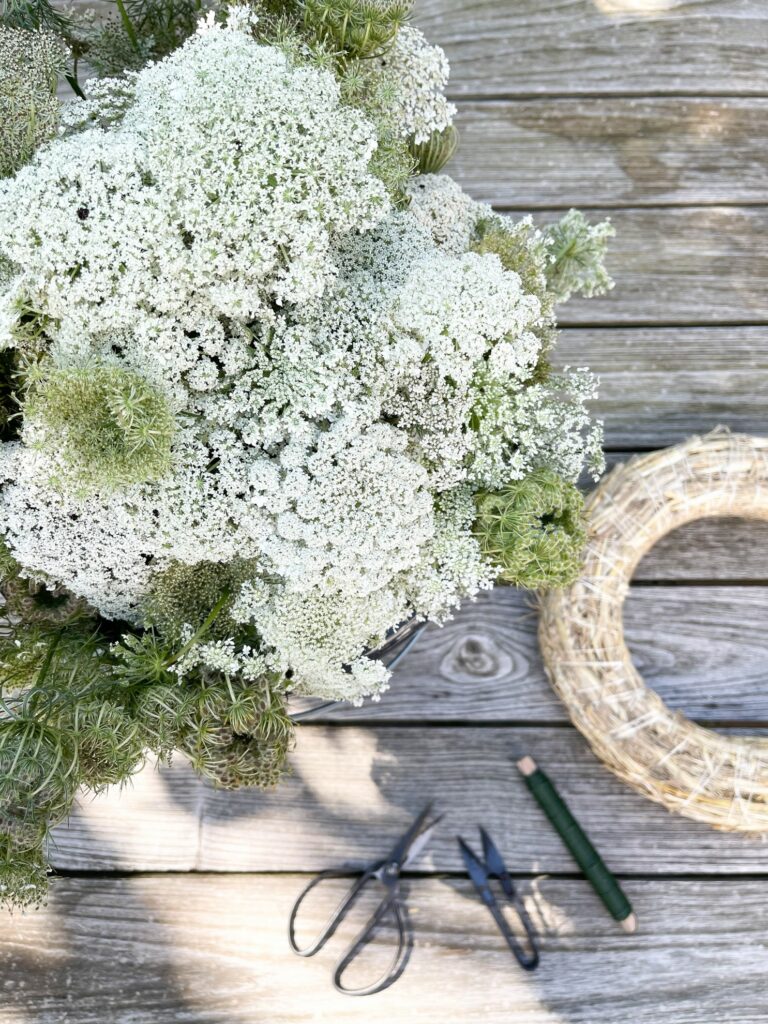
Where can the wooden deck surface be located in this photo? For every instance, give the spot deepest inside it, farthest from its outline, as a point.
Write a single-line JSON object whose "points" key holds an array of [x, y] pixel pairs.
{"points": [[174, 899]]}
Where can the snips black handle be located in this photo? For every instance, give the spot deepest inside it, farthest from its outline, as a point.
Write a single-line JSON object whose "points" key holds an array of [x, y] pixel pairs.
{"points": [[482, 872], [529, 961]]}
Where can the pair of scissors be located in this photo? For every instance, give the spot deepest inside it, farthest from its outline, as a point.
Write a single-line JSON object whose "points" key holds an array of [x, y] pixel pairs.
{"points": [[481, 872], [384, 873]]}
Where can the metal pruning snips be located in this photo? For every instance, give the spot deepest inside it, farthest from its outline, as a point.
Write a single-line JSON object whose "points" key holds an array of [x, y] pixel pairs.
{"points": [[384, 873], [482, 872]]}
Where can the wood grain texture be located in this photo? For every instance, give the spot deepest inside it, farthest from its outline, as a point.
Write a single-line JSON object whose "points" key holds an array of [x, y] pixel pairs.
{"points": [[710, 549], [689, 266], [613, 152], [658, 386], [578, 47], [205, 949], [703, 649], [152, 823], [353, 789]]}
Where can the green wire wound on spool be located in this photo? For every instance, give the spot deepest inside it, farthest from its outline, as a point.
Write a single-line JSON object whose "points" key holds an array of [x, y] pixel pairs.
{"points": [[578, 844]]}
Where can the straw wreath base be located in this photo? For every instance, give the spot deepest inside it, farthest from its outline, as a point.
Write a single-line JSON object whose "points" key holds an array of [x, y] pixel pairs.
{"points": [[721, 780]]}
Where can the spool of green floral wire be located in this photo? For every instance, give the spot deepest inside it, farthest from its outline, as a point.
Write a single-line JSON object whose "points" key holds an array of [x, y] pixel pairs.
{"points": [[579, 844]]}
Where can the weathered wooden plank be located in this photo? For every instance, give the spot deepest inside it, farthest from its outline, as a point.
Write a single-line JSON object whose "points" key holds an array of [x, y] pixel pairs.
{"points": [[353, 788], [658, 386], [689, 266], [726, 549], [150, 824], [207, 949], [613, 152], [704, 649], [567, 47]]}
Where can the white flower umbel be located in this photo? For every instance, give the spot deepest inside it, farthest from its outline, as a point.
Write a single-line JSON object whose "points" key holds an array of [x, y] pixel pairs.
{"points": [[223, 184], [417, 73], [445, 210]]}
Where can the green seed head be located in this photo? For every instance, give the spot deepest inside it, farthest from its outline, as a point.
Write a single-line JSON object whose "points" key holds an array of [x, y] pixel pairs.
{"points": [[356, 28], [108, 427], [533, 530]]}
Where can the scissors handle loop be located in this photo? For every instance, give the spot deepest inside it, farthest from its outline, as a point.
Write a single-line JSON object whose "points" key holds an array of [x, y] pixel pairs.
{"points": [[391, 905], [336, 917]]}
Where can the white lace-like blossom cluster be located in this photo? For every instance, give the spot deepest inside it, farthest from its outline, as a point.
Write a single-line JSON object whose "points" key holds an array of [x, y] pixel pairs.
{"points": [[417, 74], [215, 229], [222, 187]]}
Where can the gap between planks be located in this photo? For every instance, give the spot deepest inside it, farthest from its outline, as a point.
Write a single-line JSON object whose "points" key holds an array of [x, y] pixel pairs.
{"points": [[684, 266], [531, 47], [660, 385]]}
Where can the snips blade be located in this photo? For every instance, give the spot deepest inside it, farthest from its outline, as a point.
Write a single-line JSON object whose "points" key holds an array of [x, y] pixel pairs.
{"points": [[475, 867], [495, 865]]}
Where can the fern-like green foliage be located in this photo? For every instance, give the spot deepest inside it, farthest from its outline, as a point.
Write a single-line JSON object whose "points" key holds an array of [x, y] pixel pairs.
{"points": [[355, 28], [109, 427], [23, 871], [533, 530], [33, 16], [577, 256], [555, 262], [30, 330], [140, 31], [61, 726], [80, 706], [9, 567], [10, 419]]}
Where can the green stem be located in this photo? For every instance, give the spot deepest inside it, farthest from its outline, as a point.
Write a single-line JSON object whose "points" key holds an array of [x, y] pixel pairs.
{"points": [[73, 82], [200, 633], [128, 25]]}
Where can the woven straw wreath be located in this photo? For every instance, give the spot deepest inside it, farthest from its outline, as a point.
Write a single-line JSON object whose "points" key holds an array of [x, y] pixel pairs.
{"points": [[721, 780]]}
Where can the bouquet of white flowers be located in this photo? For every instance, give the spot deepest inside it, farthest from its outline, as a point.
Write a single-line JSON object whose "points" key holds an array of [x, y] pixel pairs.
{"points": [[271, 387]]}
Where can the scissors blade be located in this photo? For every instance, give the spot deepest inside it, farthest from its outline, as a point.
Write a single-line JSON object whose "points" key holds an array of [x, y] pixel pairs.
{"points": [[475, 867], [420, 842], [400, 851]]}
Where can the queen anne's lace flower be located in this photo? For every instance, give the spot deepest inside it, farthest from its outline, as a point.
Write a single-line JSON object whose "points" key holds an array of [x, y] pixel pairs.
{"points": [[29, 112], [445, 210], [223, 184], [417, 73]]}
